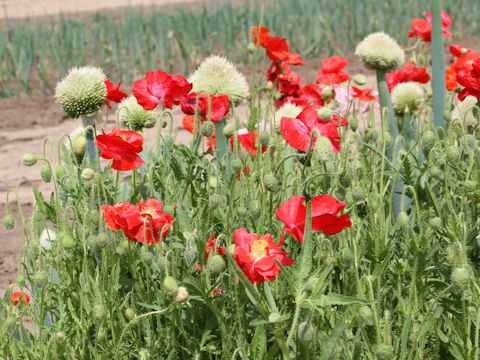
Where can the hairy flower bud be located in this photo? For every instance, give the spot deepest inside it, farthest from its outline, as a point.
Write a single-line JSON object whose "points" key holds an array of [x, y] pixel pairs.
{"points": [[29, 159], [87, 174], [251, 47], [130, 314], [270, 182], [241, 212], [287, 110], [147, 257], [40, 279], [80, 145], [436, 223], [237, 166], [216, 264], [60, 172], [327, 92], [452, 155], [207, 129], [460, 279], [46, 173], [170, 285], [360, 79], [168, 141], [228, 130], [9, 222], [98, 313], [215, 201], [378, 51], [403, 219], [323, 148], [354, 124], [428, 141], [358, 193], [345, 178], [274, 318], [325, 114], [384, 352], [366, 315], [264, 138], [306, 332], [255, 208]]}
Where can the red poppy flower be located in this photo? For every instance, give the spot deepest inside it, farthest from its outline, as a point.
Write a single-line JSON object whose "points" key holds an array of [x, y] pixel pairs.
{"points": [[469, 77], [256, 256], [160, 85], [122, 147], [277, 47], [217, 291], [331, 71], [262, 34], [363, 94], [148, 217], [188, 122], [114, 93], [297, 132], [17, 295], [423, 28], [461, 59], [451, 79], [325, 209], [219, 105], [310, 94], [410, 72]]}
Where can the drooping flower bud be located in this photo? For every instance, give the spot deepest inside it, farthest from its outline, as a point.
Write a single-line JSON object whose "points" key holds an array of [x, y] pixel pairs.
{"points": [[87, 174], [460, 279], [46, 173], [29, 159], [98, 313], [327, 93], [358, 193], [170, 285], [251, 47], [264, 138], [255, 208], [354, 124], [40, 279], [384, 352], [207, 128], [80, 145], [237, 166], [60, 172], [428, 141], [130, 314], [452, 155], [274, 318], [345, 178], [216, 264], [436, 223], [241, 211], [215, 201], [360, 79], [270, 182], [147, 257], [228, 130], [323, 148], [287, 110], [366, 315], [378, 51], [306, 332], [9, 222]]}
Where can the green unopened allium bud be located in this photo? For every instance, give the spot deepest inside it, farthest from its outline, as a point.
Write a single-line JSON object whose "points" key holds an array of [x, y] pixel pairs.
{"points": [[237, 166], [264, 138], [306, 332], [170, 285], [360, 79], [134, 116], [216, 264], [168, 141], [217, 76], [358, 193], [29, 159], [274, 318], [182, 295], [384, 352], [452, 155], [403, 219], [87, 174], [82, 91], [147, 257], [436, 223], [354, 124], [215, 201], [378, 51], [9, 222], [255, 208], [327, 92], [366, 315], [428, 141], [323, 148], [228, 130], [46, 173], [40, 279], [460, 279], [241, 211], [407, 96], [130, 314], [98, 313], [270, 182], [80, 145], [345, 178], [207, 128]]}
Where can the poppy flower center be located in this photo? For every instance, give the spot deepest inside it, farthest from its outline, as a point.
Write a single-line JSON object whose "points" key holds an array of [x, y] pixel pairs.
{"points": [[259, 248], [148, 210], [123, 137]]}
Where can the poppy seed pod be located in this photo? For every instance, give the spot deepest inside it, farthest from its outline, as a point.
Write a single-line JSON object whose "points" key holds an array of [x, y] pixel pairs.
{"points": [[207, 128], [82, 91], [217, 76], [384, 352], [9, 222], [182, 295], [29, 159], [407, 96], [378, 51], [134, 116], [170, 285]]}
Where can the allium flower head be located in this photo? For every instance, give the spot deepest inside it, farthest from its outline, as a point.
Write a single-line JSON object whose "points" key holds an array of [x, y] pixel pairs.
{"points": [[407, 95], [133, 115], [46, 238], [82, 91], [287, 110], [378, 51], [216, 75], [465, 111]]}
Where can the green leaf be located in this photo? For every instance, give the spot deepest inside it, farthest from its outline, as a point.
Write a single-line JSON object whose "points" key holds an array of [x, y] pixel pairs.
{"points": [[328, 349], [338, 299]]}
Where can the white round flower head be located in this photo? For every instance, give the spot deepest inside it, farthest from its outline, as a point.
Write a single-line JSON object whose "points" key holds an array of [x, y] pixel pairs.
{"points": [[74, 135], [407, 96], [286, 110], [378, 51], [465, 111], [46, 238], [217, 76], [134, 116], [82, 91]]}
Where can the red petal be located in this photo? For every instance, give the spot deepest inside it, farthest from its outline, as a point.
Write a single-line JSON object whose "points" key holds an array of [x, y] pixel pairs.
{"points": [[295, 133], [277, 48], [144, 97]]}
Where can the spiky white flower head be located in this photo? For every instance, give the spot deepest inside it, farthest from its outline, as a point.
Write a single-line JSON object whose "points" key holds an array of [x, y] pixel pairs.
{"points": [[286, 110], [217, 76], [378, 51], [134, 116], [465, 111], [407, 96], [82, 91], [46, 238]]}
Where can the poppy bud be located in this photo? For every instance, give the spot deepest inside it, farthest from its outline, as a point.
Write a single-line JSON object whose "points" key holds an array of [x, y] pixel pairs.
{"points": [[29, 159], [237, 166], [366, 315], [264, 138], [347, 256], [323, 148], [353, 124], [162, 263], [428, 141], [212, 181], [98, 313], [134, 116], [21, 281], [60, 172], [9, 222], [207, 128], [360, 79], [460, 279], [215, 201], [168, 141], [228, 130], [436, 223], [67, 242], [452, 155], [371, 135], [327, 93], [82, 91], [40, 279], [147, 257], [190, 255], [60, 336], [378, 51], [182, 295], [270, 182], [387, 138], [345, 178], [169, 210], [216, 264], [358, 193], [384, 352], [403, 219], [447, 115], [269, 85], [340, 194], [436, 172], [80, 145], [170, 285], [464, 51], [130, 314], [470, 185], [35, 247], [306, 332], [255, 208], [274, 318], [46, 173], [251, 47], [241, 212], [277, 95], [325, 114], [87, 174]]}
